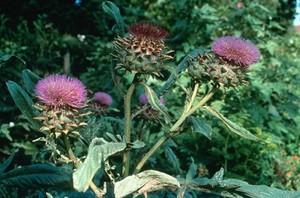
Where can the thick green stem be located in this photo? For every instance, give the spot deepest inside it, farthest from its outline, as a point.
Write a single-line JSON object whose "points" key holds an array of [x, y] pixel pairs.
{"points": [[127, 125], [173, 130], [98, 193]]}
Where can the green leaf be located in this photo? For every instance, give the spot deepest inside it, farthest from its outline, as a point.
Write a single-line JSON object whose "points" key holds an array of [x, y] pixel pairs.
{"points": [[181, 67], [24, 103], [28, 146], [7, 162], [5, 58], [200, 126], [4, 132], [235, 188], [137, 144], [111, 9], [147, 181], [99, 151], [232, 126], [155, 103], [30, 80], [192, 172], [171, 156], [36, 176]]}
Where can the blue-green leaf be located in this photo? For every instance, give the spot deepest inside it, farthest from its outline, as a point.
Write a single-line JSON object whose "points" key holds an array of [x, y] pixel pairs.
{"points": [[232, 126], [24, 103], [4, 58], [171, 156], [147, 181], [191, 172], [235, 188], [7, 162], [200, 126], [30, 79], [99, 151], [111, 9], [154, 102], [36, 176]]}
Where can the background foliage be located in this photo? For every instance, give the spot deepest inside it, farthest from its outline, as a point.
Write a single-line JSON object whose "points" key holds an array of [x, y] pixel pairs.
{"points": [[42, 33]]}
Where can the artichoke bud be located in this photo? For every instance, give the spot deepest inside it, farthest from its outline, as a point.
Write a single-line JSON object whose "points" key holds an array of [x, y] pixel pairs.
{"points": [[144, 51], [57, 121], [210, 67]]}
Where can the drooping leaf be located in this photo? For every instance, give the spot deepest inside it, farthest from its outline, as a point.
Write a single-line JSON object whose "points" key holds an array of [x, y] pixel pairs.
{"points": [[232, 126], [30, 79], [5, 58], [155, 103], [24, 103], [147, 181], [36, 176], [200, 126], [171, 156], [99, 151], [7, 162], [111, 9], [181, 67], [235, 188]]}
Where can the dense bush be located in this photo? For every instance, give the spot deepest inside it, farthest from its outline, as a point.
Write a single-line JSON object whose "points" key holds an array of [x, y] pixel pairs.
{"points": [[62, 37]]}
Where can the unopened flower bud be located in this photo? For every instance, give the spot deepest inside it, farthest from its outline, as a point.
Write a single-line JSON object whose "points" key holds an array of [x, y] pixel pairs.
{"points": [[144, 51]]}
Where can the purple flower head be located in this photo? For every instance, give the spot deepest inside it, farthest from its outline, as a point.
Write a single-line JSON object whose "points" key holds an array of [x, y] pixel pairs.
{"points": [[61, 91], [147, 30], [102, 99], [144, 100], [237, 50]]}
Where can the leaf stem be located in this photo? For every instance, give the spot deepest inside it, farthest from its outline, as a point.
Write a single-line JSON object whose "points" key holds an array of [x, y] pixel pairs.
{"points": [[174, 129], [96, 190], [127, 123]]}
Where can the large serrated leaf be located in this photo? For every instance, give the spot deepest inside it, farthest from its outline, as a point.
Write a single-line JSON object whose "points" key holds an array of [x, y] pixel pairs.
{"points": [[232, 126], [7, 162], [111, 9], [99, 151], [261, 191], [24, 103], [235, 188], [154, 102], [30, 79], [181, 67], [147, 181], [36, 176], [200, 126]]}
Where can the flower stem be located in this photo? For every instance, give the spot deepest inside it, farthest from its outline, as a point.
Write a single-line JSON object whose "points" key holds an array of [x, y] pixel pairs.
{"points": [[192, 98], [97, 191], [127, 124], [174, 129]]}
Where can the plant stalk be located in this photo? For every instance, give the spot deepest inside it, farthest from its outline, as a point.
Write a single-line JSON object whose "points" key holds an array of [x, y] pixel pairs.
{"points": [[173, 129], [127, 124]]}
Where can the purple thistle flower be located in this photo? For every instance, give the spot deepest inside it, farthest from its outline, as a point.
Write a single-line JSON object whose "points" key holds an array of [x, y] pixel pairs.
{"points": [[102, 99], [237, 50], [147, 30], [61, 91], [144, 100]]}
